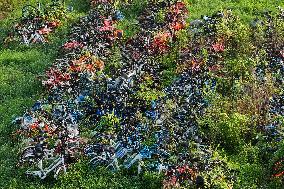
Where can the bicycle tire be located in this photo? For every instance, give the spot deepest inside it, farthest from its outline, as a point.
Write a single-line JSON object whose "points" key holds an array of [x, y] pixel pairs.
{"points": [[97, 162], [111, 166], [60, 170], [27, 155]]}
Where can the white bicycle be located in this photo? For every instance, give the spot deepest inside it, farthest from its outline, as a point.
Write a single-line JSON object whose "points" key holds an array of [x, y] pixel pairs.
{"points": [[31, 154], [57, 166]]}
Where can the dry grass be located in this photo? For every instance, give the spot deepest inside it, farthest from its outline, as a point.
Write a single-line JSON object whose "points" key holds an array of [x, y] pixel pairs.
{"points": [[255, 100]]}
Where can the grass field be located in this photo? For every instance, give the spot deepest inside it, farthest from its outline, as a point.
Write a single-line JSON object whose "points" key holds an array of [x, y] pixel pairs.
{"points": [[19, 89]]}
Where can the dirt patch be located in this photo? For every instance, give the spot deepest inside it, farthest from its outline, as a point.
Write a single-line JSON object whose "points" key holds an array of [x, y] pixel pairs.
{"points": [[2, 16], [6, 6]]}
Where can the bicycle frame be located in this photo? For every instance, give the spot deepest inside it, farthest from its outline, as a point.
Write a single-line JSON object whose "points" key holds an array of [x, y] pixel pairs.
{"points": [[42, 173], [47, 154]]}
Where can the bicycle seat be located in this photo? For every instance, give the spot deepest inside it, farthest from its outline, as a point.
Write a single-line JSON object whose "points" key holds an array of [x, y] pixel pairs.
{"points": [[38, 151]]}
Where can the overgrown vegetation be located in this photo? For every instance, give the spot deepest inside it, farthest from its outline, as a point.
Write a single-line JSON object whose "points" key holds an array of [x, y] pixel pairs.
{"points": [[232, 124]]}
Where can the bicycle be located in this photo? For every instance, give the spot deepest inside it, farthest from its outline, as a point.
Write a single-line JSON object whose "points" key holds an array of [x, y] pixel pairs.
{"points": [[36, 152], [38, 21], [101, 155], [57, 166]]}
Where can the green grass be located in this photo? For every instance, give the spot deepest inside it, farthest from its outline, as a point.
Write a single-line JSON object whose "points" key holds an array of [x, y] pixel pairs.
{"points": [[245, 9], [20, 88]]}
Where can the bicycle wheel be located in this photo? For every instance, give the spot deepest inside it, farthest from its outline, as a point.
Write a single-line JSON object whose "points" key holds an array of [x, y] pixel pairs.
{"points": [[60, 170], [113, 166], [27, 156], [95, 162]]}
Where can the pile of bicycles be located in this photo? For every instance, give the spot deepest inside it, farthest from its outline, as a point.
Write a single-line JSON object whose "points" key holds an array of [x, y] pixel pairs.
{"points": [[113, 91], [37, 22]]}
